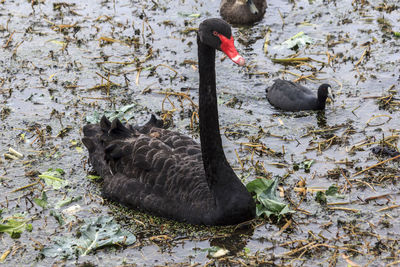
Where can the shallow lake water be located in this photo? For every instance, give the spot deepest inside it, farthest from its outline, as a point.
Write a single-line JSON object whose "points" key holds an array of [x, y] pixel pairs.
{"points": [[63, 63]]}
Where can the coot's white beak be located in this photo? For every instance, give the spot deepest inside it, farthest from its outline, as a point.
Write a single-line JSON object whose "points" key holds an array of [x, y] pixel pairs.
{"points": [[331, 96]]}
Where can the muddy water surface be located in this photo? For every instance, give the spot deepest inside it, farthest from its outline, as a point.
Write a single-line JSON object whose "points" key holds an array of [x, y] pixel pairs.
{"points": [[64, 61]]}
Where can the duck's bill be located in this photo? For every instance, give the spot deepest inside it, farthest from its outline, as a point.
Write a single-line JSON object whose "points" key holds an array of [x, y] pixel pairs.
{"points": [[228, 47], [252, 7]]}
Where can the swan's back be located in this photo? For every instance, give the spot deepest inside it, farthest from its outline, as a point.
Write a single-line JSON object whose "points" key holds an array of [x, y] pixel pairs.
{"points": [[151, 169], [290, 96]]}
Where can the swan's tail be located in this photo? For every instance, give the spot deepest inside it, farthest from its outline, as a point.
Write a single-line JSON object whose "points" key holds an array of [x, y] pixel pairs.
{"points": [[145, 129], [92, 140], [97, 138], [103, 140]]}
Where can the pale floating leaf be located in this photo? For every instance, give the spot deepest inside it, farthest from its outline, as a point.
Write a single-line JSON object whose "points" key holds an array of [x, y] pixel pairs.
{"points": [[95, 233]]}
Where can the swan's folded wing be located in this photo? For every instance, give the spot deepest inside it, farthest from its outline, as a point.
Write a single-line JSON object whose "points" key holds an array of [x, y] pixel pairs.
{"points": [[132, 150], [180, 144], [140, 167], [154, 172], [139, 153], [144, 157], [174, 140]]}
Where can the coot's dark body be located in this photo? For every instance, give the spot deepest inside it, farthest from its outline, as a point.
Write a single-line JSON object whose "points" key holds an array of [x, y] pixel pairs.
{"points": [[291, 96]]}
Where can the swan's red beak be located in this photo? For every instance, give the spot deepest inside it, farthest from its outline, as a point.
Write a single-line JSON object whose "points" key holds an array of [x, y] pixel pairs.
{"points": [[229, 49]]}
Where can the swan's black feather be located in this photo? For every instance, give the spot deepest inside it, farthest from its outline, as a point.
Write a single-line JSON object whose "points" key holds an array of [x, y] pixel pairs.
{"points": [[159, 172]]}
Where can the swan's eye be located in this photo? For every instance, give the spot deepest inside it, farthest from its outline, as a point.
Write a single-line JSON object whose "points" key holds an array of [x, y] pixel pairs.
{"points": [[215, 33]]}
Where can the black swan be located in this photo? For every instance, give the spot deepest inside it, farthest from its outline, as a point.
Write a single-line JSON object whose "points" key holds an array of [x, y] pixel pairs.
{"points": [[242, 11], [169, 174], [291, 96]]}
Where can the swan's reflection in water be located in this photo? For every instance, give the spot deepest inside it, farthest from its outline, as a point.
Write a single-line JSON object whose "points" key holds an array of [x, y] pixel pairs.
{"points": [[236, 241]]}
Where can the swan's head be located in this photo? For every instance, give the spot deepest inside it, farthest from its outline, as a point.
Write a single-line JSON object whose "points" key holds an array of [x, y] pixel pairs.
{"points": [[218, 34]]}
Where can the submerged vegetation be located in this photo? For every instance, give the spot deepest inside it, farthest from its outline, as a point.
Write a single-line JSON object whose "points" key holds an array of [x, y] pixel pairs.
{"points": [[336, 201]]}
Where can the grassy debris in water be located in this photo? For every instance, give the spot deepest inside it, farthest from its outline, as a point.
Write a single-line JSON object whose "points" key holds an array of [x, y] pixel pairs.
{"points": [[66, 201], [93, 177], [306, 165], [15, 225], [52, 177], [216, 252], [120, 113]]}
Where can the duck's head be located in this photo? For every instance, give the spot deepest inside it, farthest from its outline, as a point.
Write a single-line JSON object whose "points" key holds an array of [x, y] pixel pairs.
{"points": [[251, 6]]}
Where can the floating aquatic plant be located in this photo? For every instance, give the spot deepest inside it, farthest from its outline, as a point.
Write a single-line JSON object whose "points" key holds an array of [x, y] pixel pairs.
{"points": [[268, 202]]}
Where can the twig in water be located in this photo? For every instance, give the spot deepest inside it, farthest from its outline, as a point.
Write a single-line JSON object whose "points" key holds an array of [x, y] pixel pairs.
{"points": [[8, 40], [389, 208], [282, 18], [375, 165], [266, 42], [25, 187], [362, 56]]}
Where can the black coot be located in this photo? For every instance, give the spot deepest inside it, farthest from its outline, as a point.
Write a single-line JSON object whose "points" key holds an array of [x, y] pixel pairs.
{"points": [[291, 96]]}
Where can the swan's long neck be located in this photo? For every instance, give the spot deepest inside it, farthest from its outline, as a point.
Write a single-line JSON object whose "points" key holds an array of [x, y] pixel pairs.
{"points": [[213, 154]]}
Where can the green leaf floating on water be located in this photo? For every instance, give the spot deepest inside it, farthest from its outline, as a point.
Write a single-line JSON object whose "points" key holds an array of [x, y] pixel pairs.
{"points": [[111, 114], [66, 201], [94, 118], [306, 165], [94, 177], [266, 197], [58, 216], [52, 177], [332, 190], [15, 226], [41, 202], [95, 233], [297, 41], [320, 197]]}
